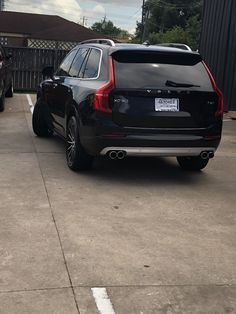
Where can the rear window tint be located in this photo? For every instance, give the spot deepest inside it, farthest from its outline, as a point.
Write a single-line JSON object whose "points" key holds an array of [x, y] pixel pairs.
{"points": [[65, 65], [78, 62], [92, 66], [145, 70]]}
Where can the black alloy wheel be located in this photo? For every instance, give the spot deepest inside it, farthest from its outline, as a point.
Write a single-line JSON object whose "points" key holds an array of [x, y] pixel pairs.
{"points": [[77, 158]]}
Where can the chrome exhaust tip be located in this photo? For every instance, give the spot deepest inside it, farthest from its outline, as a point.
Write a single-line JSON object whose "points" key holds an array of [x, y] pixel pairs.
{"points": [[112, 154], [121, 154], [211, 155], [204, 155]]}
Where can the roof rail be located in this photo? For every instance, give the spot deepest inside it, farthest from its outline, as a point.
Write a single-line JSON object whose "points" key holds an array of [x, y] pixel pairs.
{"points": [[108, 42]]}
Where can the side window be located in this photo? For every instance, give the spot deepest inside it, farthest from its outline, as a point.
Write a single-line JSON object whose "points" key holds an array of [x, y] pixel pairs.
{"points": [[92, 65], [78, 62], [66, 63]]}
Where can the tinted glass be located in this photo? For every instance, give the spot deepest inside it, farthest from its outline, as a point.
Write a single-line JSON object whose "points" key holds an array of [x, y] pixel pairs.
{"points": [[92, 66], [153, 71], [65, 66], [78, 62]]}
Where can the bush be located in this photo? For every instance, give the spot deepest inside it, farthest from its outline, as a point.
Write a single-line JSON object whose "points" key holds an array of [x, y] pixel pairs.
{"points": [[176, 35]]}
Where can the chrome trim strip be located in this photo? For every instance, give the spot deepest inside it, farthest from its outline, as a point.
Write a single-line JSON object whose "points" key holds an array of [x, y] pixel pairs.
{"points": [[160, 151]]}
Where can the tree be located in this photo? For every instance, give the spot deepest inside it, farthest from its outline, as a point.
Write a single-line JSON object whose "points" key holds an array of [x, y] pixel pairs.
{"points": [[193, 30], [175, 35], [172, 20], [164, 15], [108, 28]]}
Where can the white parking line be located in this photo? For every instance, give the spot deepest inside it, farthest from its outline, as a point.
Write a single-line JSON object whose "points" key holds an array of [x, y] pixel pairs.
{"points": [[30, 103], [102, 301]]}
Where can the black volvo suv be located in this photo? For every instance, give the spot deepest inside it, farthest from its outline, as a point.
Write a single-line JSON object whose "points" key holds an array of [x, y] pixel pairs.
{"points": [[131, 100]]}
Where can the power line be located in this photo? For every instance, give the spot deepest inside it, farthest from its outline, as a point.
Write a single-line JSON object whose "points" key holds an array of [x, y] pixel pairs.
{"points": [[116, 16], [135, 13]]}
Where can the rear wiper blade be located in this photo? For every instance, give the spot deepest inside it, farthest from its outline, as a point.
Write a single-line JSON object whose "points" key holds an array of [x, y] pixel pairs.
{"points": [[175, 84]]}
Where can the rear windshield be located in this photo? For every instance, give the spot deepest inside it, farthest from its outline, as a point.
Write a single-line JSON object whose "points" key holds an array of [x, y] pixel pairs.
{"points": [[145, 70]]}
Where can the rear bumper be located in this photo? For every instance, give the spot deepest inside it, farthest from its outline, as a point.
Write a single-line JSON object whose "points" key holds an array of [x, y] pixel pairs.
{"points": [[102, 135], [150, 145], [159, 151]]}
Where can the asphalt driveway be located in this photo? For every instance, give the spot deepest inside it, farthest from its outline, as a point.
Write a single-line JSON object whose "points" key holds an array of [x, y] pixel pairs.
{"points": [[137, 236]]}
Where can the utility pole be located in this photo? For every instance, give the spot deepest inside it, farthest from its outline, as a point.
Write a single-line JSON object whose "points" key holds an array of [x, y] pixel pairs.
{"points": [[84, 20], [103, 25], [143, 20], [145, 16]]}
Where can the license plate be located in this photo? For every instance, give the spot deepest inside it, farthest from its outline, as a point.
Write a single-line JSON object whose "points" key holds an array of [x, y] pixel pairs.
{"points": [[167, 104]]}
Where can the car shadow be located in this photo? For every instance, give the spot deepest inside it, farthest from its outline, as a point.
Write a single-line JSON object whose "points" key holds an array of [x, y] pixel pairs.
{"points": [[139, 170]]}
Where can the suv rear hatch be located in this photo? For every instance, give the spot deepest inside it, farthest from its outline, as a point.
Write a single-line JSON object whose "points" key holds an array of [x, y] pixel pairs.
{"points": [[159, 89]]}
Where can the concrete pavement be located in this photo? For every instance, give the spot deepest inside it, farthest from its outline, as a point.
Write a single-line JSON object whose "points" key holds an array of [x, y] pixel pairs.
{"points": [[159, 240]]}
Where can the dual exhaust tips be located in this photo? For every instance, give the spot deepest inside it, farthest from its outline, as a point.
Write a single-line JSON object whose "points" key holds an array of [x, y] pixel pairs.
{"points": [[207, 155], [117, 154], [121, 154]]}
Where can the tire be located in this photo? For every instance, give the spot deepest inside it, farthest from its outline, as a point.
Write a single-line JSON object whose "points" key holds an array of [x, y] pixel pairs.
{"points": [[40, 120], [2, 102], [10, 91], [77, 158], [192, 163]]}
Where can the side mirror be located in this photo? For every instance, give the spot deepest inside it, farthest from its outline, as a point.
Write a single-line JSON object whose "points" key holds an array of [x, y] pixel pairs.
{"points": [[58, 79], [48, 72]]}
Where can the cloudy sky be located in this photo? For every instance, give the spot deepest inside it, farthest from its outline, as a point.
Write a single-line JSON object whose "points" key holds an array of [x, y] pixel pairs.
{"points": [[124, 13]]}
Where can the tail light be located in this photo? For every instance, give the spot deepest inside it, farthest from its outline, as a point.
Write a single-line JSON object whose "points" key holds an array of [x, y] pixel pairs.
{"points": [[101, 99], [220, 110]]}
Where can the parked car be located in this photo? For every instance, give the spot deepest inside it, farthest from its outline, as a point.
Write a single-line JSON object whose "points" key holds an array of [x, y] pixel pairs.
{"points": [[131, 100], [6, 86]]}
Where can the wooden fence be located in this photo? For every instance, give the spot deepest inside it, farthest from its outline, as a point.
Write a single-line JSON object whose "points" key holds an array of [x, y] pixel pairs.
{"points": [[28, 64]]}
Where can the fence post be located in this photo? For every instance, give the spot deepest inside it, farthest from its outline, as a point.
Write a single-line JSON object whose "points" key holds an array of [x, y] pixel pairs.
{"points": [[56, 55]]}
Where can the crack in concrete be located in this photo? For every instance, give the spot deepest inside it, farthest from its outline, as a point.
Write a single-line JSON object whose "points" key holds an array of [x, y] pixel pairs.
{"points": [[119, 286]]}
